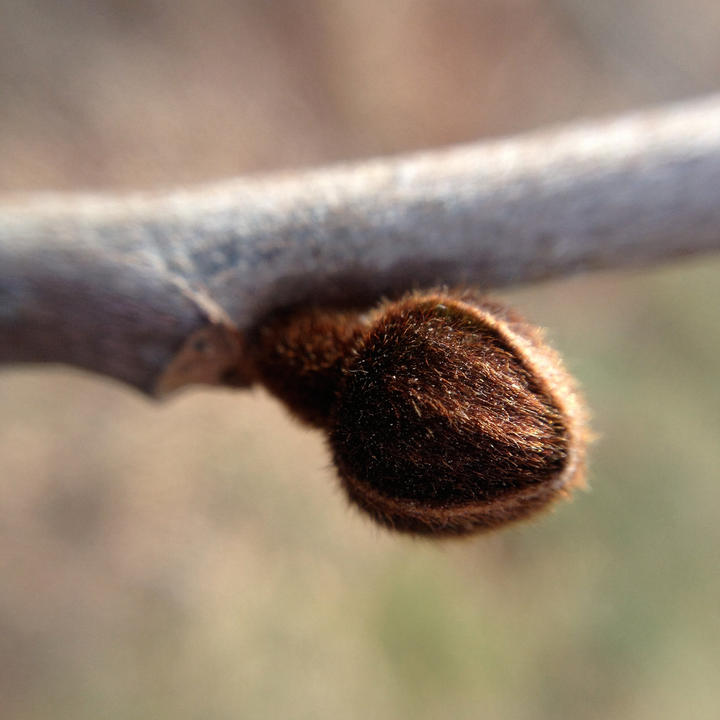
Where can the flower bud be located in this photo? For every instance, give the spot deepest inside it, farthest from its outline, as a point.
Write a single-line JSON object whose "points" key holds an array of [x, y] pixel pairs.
{"points": [[446, 414]]}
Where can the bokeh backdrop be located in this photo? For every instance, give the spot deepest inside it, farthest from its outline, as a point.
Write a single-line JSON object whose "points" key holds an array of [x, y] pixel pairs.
{"points": [[195, 558]]}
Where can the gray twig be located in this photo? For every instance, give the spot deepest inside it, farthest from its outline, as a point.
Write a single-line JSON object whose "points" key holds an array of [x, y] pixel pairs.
{"points": [[150, 288]]}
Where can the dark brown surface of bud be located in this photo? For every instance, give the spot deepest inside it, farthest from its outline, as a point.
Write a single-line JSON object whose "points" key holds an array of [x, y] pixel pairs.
{"points": [[299, 357], [446, 413]]}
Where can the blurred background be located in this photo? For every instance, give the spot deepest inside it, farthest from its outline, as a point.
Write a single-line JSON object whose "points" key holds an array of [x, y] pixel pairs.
{"points": [[195, 558]]}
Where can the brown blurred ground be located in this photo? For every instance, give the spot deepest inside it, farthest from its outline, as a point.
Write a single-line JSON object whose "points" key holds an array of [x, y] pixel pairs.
{"points": [[123, 93], [194, 559]]}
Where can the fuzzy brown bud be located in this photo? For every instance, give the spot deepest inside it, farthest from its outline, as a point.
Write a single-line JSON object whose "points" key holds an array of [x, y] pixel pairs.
{"points": [[446, 413]]}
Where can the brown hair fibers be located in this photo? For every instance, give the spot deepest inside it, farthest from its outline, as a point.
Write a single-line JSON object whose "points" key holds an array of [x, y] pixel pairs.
{"points": [[446, 413]]}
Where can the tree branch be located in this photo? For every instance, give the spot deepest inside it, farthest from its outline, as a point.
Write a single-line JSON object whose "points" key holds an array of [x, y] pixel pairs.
{"points": [[150, 289]]}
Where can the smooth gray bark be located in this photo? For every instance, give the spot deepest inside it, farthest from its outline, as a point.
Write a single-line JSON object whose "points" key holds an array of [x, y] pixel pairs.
{"points": [[120, 285]]}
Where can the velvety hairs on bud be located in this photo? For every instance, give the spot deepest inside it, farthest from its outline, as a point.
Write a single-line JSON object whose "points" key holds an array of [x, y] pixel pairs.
{"points": [[446, 413]]}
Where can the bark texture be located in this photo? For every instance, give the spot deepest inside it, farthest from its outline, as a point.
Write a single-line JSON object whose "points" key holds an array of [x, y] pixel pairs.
{"points": [[157, 290]]}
